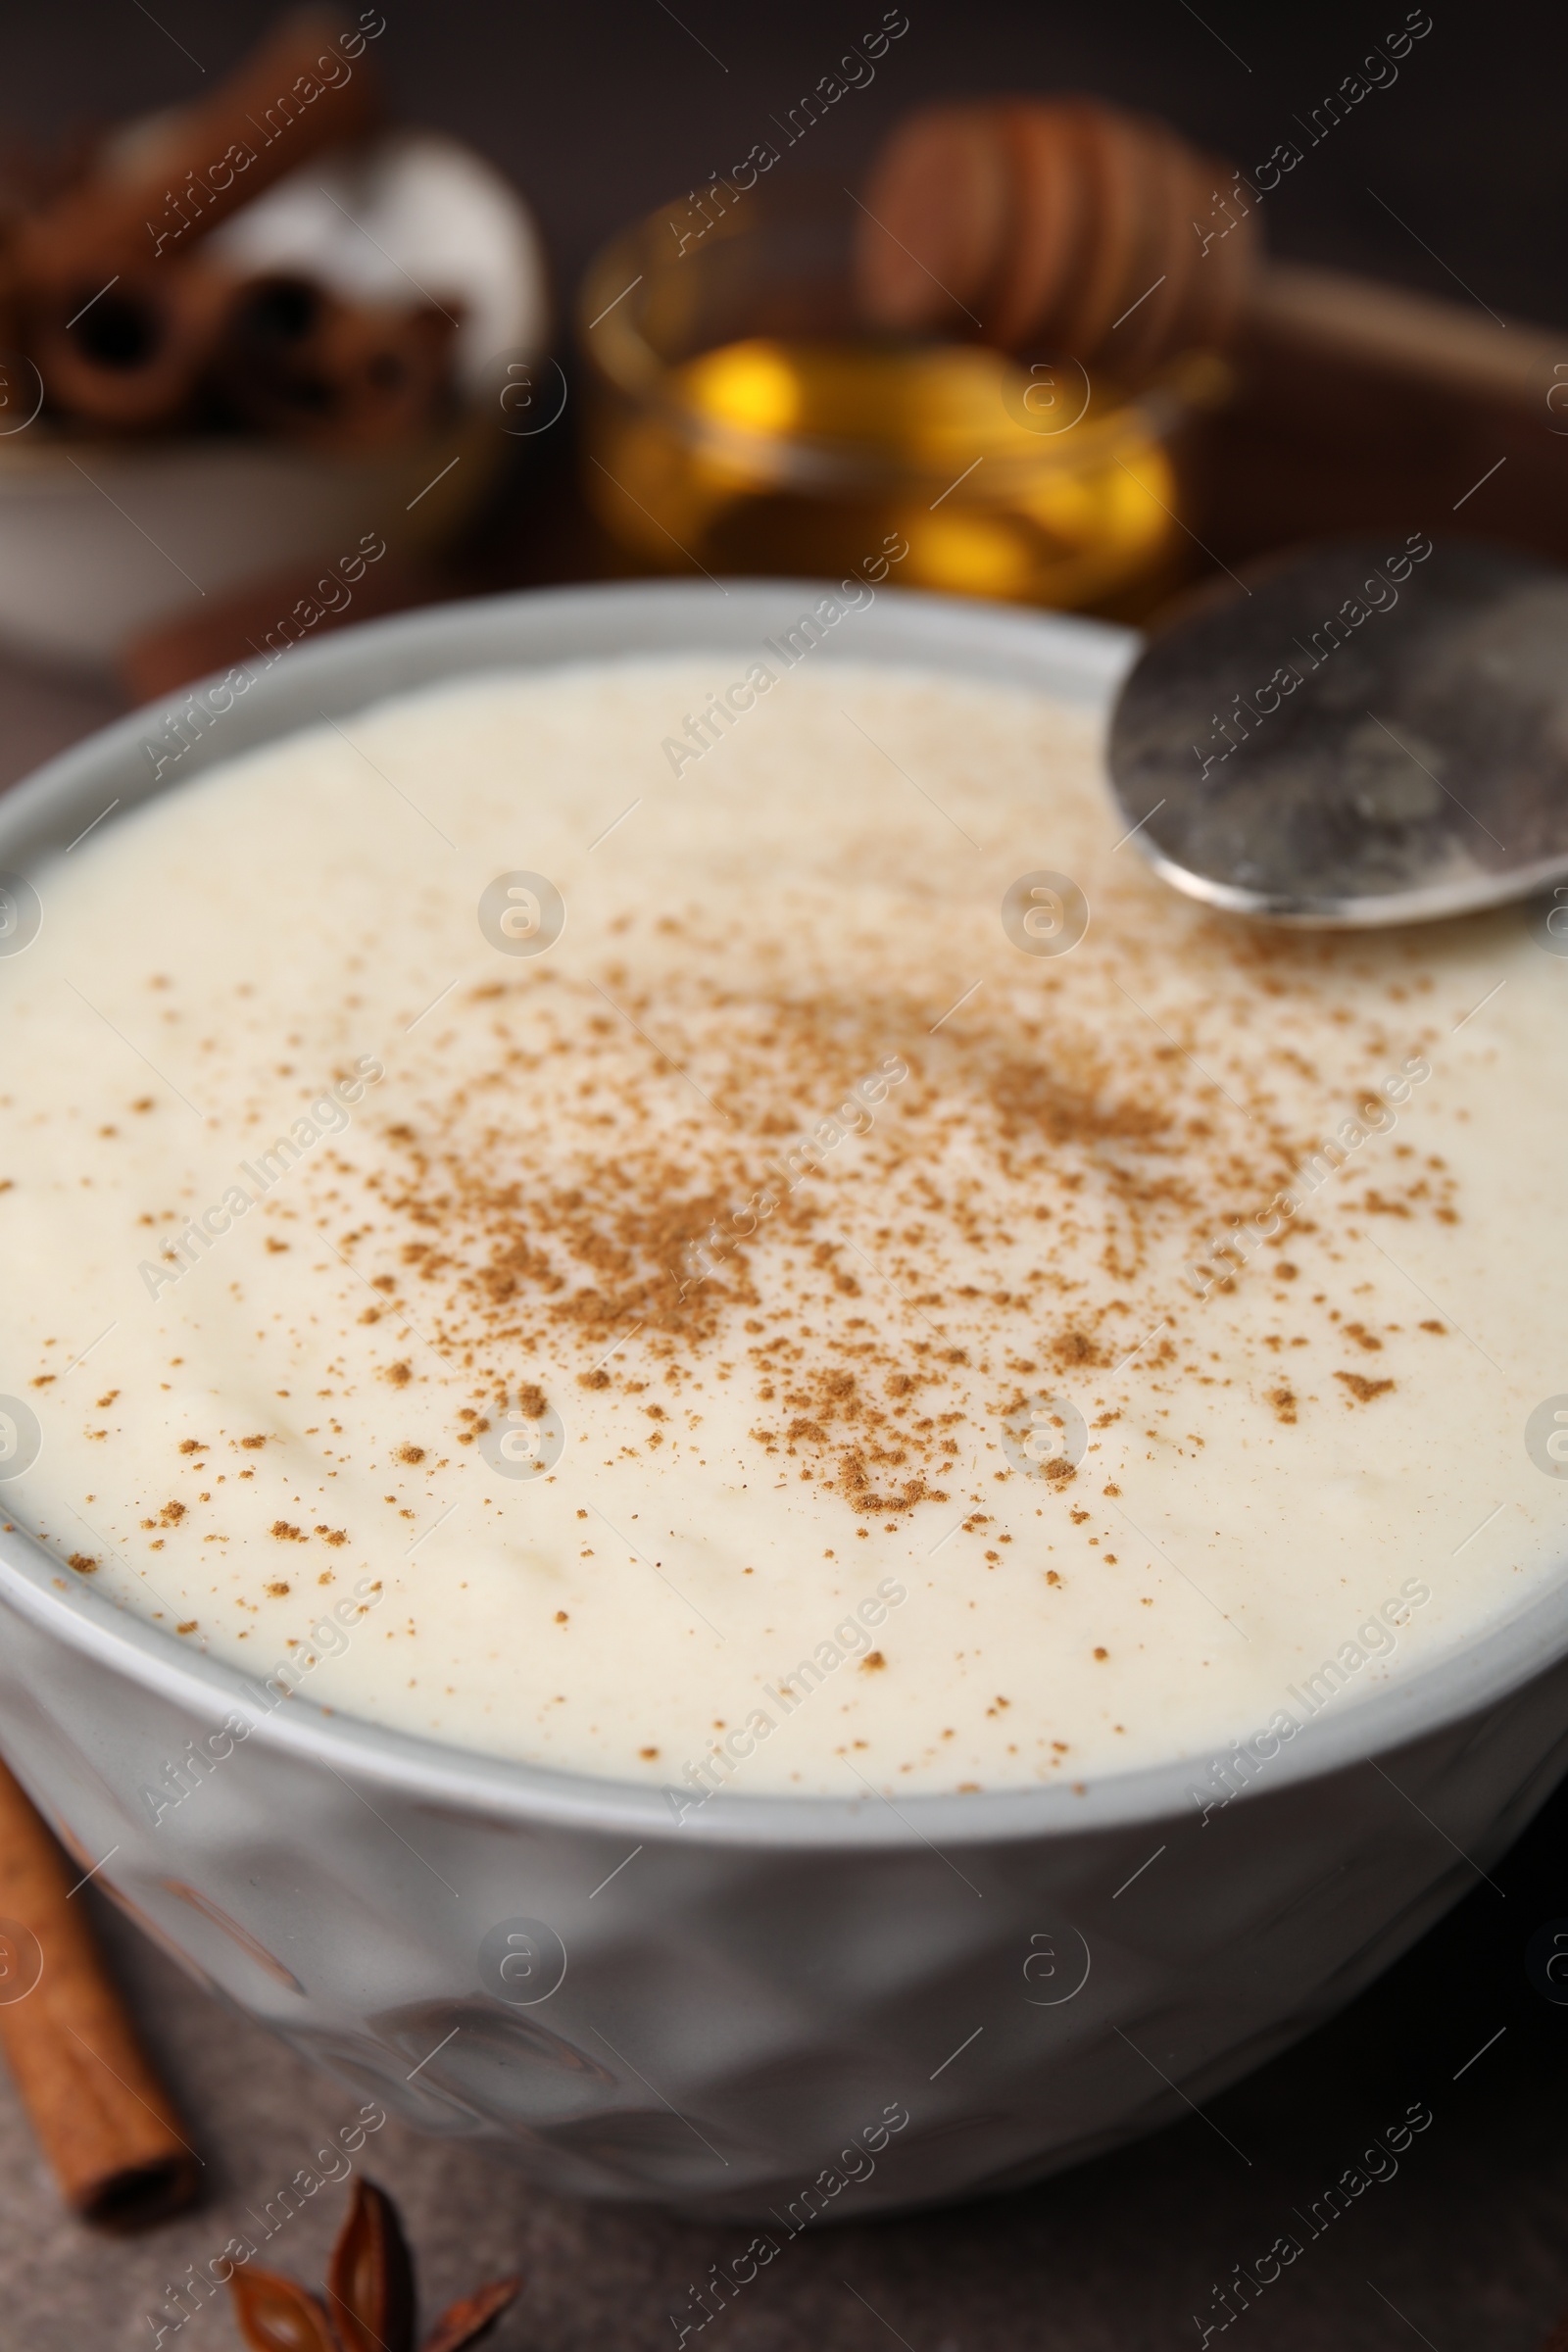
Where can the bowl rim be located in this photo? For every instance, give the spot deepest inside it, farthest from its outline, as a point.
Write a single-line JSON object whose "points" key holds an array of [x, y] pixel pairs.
{"points": [[1080, 662]]}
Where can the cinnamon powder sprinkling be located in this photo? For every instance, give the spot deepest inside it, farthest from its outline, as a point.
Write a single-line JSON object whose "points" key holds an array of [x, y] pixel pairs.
{"points": [[864, 1293], [1361, 1389]]}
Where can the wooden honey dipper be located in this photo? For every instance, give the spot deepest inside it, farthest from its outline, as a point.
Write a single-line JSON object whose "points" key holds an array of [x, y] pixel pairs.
{"points": [[1061, 226], [1057, 224]]}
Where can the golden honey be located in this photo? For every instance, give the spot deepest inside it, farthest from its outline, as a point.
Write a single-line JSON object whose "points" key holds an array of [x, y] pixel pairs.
{"points": [[774, 454]]}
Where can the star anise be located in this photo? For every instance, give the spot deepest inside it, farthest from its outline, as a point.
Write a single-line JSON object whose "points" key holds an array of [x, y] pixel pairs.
{"points": [[370, 2304]]}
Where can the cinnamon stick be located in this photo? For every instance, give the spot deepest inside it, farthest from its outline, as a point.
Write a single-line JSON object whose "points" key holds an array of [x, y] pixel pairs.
{"points": [[261, 618], [304, 362], [136, 358], [101, 2116], [309, 86]]}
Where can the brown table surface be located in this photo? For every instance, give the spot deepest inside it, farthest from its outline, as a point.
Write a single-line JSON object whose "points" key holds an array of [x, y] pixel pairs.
{"points": [[1466, 2246]]}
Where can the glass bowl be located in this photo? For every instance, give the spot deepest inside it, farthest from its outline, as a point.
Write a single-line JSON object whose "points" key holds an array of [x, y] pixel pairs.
{"points": [[741, 419]]}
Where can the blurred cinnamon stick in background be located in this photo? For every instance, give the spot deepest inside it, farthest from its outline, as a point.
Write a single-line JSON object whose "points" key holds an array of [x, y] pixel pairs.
{"points": [[109, 290], [300, 359], [138, 366], [102, 2118], [306, 87], [263, 619]]}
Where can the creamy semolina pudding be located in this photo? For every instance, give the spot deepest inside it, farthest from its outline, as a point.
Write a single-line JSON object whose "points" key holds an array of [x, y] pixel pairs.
{"points": [[751, 1244]]}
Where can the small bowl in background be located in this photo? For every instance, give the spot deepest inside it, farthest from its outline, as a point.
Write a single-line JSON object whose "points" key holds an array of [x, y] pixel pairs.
{"points": [[103, 539]]}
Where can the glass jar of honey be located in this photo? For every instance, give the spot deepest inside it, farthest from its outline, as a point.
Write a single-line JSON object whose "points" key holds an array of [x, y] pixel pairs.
{"points": [[741, 419]]}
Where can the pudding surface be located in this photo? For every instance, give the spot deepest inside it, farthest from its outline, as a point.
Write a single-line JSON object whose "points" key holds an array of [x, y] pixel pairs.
{"points": [[642, 1253]]}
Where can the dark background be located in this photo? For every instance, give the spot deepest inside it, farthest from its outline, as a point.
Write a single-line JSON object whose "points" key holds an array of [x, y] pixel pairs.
{"points": [[600, 112]]}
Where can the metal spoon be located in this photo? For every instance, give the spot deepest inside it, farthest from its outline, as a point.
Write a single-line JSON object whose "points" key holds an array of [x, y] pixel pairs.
{"points": [[1376, 732]]}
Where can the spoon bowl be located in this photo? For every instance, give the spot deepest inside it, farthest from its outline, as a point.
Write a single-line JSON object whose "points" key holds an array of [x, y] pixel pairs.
{"points": [[1354, 737]]}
